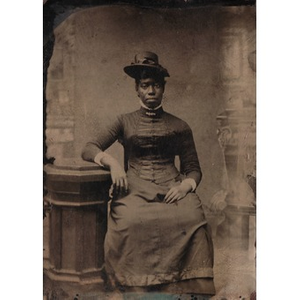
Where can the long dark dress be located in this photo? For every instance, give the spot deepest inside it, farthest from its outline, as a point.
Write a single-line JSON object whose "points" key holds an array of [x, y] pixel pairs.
{"points": [[150, 242]]}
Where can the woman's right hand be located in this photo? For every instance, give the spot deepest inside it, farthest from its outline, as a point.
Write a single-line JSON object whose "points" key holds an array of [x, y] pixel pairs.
{"points": [[117, 173], [119, 178]]}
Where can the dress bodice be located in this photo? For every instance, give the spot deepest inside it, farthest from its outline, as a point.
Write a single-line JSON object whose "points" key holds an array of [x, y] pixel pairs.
{"points": [[150, 147]]}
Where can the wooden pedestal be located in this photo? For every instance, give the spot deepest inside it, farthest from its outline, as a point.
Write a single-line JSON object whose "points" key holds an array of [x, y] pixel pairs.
{"points": [[77, 193]]}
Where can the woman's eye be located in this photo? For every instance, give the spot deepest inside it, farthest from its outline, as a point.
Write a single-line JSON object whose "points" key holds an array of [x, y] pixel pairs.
{"points": [[146, 85]]}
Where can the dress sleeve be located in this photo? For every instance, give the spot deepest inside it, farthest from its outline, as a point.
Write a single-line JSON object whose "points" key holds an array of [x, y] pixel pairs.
{"points": [[106, 137], [189, 163]]}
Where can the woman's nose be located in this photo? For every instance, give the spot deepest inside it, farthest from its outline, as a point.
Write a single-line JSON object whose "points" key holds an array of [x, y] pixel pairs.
{"points": [[151, 89]]}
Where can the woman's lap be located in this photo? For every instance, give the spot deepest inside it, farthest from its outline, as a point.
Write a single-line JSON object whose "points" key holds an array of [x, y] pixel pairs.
{"points": [[150, 242]]}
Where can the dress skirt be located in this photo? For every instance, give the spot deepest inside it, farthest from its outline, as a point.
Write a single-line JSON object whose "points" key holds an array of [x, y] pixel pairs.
{"points": [[150, 243]]}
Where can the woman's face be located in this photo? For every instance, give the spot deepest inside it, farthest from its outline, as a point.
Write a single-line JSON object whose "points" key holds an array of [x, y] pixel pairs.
{"points": [[150, 92]]}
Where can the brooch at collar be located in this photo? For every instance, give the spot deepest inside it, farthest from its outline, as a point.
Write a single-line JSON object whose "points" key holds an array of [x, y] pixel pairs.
{"points": [[150, 113]]}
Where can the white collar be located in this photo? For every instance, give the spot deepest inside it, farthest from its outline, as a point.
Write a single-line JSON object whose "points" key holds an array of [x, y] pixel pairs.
{"points": [[155, 108]]}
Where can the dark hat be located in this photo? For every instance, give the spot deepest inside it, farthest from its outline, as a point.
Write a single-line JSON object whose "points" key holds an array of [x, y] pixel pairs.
{"points": [[145, 61]]}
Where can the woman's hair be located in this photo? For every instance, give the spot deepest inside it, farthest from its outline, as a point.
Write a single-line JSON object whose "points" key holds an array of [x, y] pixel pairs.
{"points": [[156, 75]]}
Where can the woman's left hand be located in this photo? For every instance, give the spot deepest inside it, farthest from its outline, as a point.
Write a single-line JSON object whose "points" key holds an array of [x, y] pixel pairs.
{"points": [[177, 192]]}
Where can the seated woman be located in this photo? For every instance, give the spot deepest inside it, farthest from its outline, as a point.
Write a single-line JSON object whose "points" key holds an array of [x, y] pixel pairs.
{"points": [[157, 237]]}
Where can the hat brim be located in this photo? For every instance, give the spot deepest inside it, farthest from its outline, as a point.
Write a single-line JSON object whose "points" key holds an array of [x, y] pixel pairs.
{"points": [[135, 70]]}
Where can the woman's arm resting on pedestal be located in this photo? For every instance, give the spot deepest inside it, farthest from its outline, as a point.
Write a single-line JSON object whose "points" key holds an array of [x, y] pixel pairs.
{"points": [[94, 151]]}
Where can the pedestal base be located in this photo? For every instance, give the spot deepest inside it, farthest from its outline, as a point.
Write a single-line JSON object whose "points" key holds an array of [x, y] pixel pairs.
{"points": [[57, 287]]}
